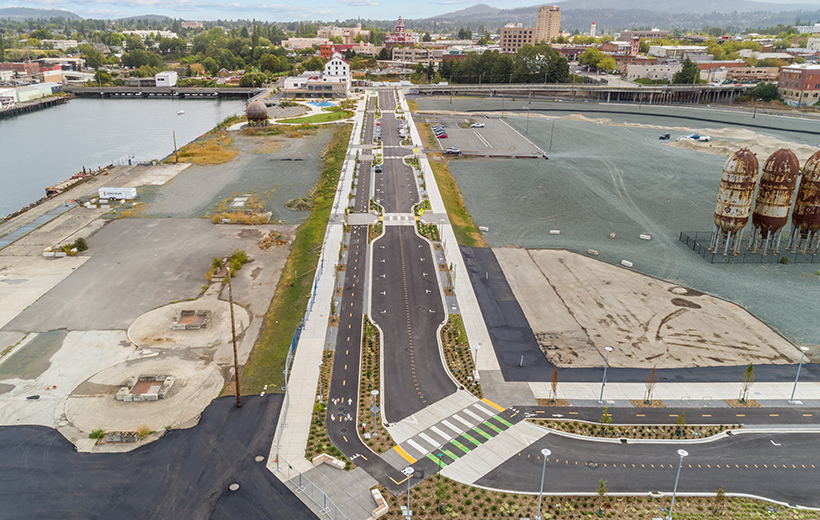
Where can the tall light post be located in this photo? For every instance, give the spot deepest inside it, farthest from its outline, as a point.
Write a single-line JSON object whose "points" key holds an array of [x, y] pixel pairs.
{"points": [[408, 472], [546, 453], [802, 354], [603, 383], [319, 364], [682, 453]]}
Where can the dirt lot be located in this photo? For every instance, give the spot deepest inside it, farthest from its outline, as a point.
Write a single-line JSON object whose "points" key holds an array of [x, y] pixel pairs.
{"points": [[577, 305]]}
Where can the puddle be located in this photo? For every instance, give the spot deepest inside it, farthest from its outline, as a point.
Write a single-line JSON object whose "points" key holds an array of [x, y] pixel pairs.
{"points": [[34, 358]]}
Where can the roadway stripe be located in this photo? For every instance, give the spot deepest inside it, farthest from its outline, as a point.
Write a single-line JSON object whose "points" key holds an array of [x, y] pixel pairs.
{"points": [[404, 454], [417, 446], [495, 428], [462, 421], [484, 410], [482, 433], [460, 446], [437, 460], [449, 425], [473, 415], [471, 439], [497, 407], [450, 454], [502, 421], [443, 435], [430, 440]]}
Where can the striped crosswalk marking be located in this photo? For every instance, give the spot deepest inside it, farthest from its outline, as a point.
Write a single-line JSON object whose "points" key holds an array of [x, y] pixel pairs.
{"points": [[449, 425], [462, 421], [473, 415], [495, 428], [482, 433], [461, 446], [502, 421], [417, 446], [429, 439], [443, 435], [471, 439]]}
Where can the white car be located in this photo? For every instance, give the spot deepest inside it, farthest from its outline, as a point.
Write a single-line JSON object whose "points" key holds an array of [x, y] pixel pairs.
{"points": [[477, 125]]}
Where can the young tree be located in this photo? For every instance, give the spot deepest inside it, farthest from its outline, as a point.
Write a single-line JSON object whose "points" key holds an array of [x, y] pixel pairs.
{"points": [[606, 418], [688, 74], [720, 498], [602, 491], [651, 381], [746, 382], [681, 422], [427, 37], [554, 386]]}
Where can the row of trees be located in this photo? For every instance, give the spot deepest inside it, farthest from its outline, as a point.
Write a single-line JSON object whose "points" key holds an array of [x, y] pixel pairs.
{"points": [[531, 64]]}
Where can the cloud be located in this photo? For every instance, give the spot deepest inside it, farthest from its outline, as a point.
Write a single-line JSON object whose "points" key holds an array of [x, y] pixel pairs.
{"points": [[359, 3]]}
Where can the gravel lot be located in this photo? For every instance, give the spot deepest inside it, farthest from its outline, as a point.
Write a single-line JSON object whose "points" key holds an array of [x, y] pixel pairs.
{"points": [[289, 172], [620, 179]]}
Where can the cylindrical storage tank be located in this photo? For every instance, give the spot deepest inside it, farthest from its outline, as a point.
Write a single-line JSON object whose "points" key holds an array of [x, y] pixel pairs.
{"points": [[774, 196], [257, 112], [737, 189], [806, 214]]}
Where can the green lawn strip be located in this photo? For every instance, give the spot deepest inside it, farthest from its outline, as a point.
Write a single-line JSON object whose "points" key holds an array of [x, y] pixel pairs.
{"points": [[321, 117], [502, 421], [466, 231], [471, 439], [266, 363], [482, 433], [495, 428]]}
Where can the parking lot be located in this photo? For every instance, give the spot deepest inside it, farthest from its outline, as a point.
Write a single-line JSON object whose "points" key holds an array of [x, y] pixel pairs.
{"points": [[495, 139]]}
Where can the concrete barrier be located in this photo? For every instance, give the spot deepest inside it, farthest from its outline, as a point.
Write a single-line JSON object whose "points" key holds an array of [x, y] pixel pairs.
{"points": [[381, 503], [327, 459], [555, 231], [645, 237], [626, 263]]}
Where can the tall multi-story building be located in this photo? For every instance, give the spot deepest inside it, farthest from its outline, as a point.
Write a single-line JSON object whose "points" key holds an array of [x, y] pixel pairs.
{"points": [[547, 23], [513, 37], [593, 30]]}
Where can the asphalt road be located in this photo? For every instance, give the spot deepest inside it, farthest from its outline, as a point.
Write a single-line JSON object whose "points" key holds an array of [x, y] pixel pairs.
{"points": [[406, 298], [513, 339], [343, 395], [783, 467], [185, 474], [669, 415]]}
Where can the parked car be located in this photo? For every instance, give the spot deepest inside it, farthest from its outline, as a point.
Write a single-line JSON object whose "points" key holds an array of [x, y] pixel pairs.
{"points": [[441, 136], [452, 151], [477, 125], [665, 137], [692, 137], [378, 168]]}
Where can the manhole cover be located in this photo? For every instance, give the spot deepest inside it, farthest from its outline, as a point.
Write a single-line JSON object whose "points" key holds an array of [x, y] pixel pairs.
{"points": [[592, 464], [233, 487]]}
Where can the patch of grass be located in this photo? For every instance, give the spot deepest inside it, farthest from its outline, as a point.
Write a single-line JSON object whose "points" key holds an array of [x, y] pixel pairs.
{"points": [[464, 228], [323, 117], [266, 363], [215, 149], [414, 107]]}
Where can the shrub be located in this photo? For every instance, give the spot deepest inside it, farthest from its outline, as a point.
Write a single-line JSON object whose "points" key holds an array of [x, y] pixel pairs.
{"points": [[143, 432], [80, 244], [97, 434]]}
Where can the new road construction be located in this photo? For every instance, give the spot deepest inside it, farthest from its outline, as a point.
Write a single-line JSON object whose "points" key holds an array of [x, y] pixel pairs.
{"points": [[485, 357]]}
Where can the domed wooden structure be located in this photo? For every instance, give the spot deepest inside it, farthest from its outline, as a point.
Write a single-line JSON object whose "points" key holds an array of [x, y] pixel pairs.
{"points": [[257, 113]]}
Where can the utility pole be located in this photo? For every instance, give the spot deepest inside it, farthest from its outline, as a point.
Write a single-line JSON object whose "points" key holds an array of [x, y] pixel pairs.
{"points": [[176, 157], [233, 338], [552, 132]]}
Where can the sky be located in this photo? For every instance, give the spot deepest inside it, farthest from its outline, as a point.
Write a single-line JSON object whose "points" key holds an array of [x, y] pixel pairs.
{"points": [[327, 10]]}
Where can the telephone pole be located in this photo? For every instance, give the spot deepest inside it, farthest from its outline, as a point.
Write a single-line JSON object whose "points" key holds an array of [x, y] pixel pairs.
{"points": [[233, 338]]}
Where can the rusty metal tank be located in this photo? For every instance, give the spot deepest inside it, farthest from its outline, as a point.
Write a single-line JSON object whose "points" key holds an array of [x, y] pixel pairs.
{"points": [[776, 191], [806, 214], [737, 189], [257, 112]]}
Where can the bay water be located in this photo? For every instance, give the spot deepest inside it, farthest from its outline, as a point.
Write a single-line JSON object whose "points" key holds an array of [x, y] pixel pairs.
{"points": [[43, 148]]}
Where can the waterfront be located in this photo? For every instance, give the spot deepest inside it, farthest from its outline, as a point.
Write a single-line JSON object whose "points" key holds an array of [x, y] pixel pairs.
{"points": [[48, 146]]}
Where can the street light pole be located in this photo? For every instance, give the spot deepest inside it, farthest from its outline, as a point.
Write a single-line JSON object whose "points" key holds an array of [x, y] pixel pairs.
{"points": [[546, 453], [319, 364], [802, 354], [408, 471], [603, 383], [682, 453]]}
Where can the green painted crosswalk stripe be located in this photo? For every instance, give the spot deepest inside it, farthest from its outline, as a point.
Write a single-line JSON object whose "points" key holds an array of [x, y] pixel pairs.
{"points": [[502, 421], [471, 439], [482, 432], [460, 446], [491, 425], [437, 460], [449, 454]]}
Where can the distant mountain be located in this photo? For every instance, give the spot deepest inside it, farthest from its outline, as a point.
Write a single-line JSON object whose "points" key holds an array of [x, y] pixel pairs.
{"points": [[149, 17], [26, 13], [617, 15]]}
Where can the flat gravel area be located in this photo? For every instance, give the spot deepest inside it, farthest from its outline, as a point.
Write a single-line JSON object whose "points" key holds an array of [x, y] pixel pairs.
{"points": [[185, 474], [603, 179], [276, 169]]}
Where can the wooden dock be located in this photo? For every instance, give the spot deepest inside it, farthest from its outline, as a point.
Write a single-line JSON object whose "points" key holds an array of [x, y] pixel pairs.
{"points": [[31, 106], [177, 92]]}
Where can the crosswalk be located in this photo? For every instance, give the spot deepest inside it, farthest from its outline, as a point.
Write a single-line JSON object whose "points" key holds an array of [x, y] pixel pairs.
{"points": [[456, 435], [399, 219]]}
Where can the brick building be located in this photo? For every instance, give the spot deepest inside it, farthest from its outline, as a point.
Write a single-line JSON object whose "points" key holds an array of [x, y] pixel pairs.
{"points": [[799, 85], [514, 37]]}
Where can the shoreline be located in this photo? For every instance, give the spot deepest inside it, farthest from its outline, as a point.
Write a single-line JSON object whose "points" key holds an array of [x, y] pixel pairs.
{"points": [[35, 105]]}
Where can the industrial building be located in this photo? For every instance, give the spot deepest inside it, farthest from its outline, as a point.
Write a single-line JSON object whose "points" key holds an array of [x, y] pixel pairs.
{"points": [[347, 34], [654, 34]]}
